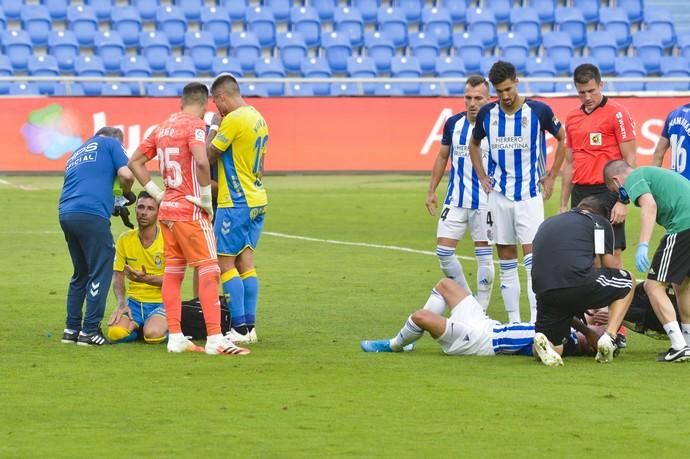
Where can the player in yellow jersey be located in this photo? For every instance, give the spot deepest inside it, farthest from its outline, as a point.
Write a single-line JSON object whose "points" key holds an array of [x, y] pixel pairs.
{"points": [[239, 147], [139, 257]]}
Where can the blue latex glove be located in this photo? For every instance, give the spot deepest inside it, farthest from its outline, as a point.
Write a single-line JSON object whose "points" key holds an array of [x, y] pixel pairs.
{"points": [[641, 258]]}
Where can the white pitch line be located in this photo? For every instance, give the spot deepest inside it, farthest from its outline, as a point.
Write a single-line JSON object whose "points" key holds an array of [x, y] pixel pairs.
{"points": [[18, 186]]}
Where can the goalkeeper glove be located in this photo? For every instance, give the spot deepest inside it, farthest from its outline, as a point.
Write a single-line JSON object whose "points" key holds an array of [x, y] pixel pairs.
{"points": [[155, 192], [205, 201]]}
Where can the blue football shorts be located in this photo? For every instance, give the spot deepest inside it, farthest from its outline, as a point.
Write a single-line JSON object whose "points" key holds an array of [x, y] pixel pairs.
{"points": [[237, 228], [141, 312]]}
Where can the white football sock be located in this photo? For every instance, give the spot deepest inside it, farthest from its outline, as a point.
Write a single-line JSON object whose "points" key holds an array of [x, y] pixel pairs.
{"points": [[435, 303], [674, 334], [451, 267], [510, 288], [408, 334], [530, 293], [485, 275]]}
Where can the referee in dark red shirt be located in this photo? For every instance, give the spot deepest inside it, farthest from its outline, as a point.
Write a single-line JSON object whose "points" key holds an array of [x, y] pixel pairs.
{"points": [[598, 131]]}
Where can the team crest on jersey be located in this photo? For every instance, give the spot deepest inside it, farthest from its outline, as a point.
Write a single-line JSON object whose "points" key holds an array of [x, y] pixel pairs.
{"points": [[494, 122], [158, 259], [595, 138], [525, 122]]}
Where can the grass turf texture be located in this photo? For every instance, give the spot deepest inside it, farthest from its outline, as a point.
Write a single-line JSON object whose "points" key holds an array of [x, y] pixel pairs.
{"points": [[307, 390]]}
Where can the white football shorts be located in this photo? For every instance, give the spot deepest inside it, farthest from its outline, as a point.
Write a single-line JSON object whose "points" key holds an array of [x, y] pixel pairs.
{"points": [[468, 330], [454, 221], [513, 222]]}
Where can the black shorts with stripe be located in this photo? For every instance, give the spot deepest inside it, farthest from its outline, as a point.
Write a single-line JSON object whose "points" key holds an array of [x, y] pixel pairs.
{"points": [[671, 263], [556, 308], [580, 192]]}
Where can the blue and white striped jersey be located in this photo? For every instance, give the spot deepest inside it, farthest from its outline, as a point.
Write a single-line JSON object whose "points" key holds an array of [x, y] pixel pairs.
{"points": [[677, 130], [513, 338], [517, 146], [464, 189]]}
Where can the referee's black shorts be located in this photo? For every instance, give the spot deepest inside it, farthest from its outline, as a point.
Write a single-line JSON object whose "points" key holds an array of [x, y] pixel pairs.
{"points": [[671, 263], [556, 308], [580, 192]]}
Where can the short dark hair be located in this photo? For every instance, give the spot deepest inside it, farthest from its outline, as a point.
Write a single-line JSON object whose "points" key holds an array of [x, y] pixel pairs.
{"points": [[227, 82], [109, 131], [595, 205], [145, 194], [194, 94], [585, 73], [502, 71], [476, 80], [615, 167]]}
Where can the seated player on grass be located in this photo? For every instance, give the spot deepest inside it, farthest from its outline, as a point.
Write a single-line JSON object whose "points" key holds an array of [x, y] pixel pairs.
{"points": [[139, 257]]}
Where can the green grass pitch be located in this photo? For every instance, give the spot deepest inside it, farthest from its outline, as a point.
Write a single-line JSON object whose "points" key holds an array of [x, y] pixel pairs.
{"points": [[307, 390]]}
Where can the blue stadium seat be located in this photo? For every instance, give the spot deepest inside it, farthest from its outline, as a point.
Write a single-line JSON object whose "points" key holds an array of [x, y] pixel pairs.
{"points": [[362, 67], [246, 49], [406, 67], [324, 8], [683, 44], [501, 9], [44, 66], [3, 21], [380, 47], [388, 89], [571, 21], [83, 22], [487, 63], [337, 49], [56, 8], [673, 66], [156, 49], [470, 48], [181, 67], [147, 9], [102, 8], [514, 49], [305, 20], [171, 21], [17, 45], [456, 8], [615, 21], [482, 23], [343, 89], [216, 21], [36, 21], [23, 89], [576, 61], [437, 24], [589, 9], [545, 8], [633, 8], [280, 8], [393, 23], [629, 67], [292, 49], [271, 68], [68, 89], [226, 65], [160, 90], [566, 88], [411, 8], [191, 8], [261, 22], [660, 22], [368, 8], [64, 46], [135, 67], [451, 67], [649, 48], [253, 90], [202, 49], [430, 90], [115, 90], [602, 47], [559, 48], [127, 22], [300, 90], [525, 22], [317, 67], [90, 66], [6, 70], [426, 50], [236, 8], [111, 49], [349, 20], [12, 8], [540, 67]]}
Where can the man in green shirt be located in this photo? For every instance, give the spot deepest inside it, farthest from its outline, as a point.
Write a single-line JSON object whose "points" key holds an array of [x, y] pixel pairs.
{"points": [[662, 196]]}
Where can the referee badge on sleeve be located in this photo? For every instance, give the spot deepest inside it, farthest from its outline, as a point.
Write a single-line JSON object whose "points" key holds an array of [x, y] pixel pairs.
{"points": [[595, 138]]}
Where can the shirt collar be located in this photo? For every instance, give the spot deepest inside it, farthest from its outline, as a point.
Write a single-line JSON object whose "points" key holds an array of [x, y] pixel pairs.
{"points": [[604, 99]]}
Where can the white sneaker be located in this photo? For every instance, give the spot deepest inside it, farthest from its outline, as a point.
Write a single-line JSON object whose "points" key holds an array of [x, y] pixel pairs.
{"points": [[252, 336], [545, 352], [183, 345], [605, 349], [223, 346], [237, 338]]}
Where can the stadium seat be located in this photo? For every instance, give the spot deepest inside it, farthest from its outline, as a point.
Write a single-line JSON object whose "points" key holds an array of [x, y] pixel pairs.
{"points": [[343, 89], [451, 67], [90, 66], [280, 8], [236, 8], [56, 8], [426, 50], [368, 8], [615, 21], [411, 8], [83, 22], [514, 49], [102, 8], [17, 45], [127, 22], [64, 46], [68, 89], [673, 67], [660, 22], [602, 47], [171, 21], [571, 21], [135, 67], [246, 49], [202, 49], [305, 20], [559, 48], [545, 8], [380, 47], [115, 89], [292, 49], [191, 8], [23, 89], [525, 22], [299, 90], [362, 67], [111, 49], [629, 67], [649, 48], [633, 8], [253, 90], [576, 61], [406, 67], [261, 22], [147, 9], [437, 24], [180, 67], [6, 70], [501, 9], [226, 65], [44, 66], [3, 22], [589, 9], [683, 44], [160, 90], [456, 8], [540, 67], [348, 20], [271, 68], [37, 23], [393, 23], [566, 88], [470, 49], [388, 89], [324, 8], [317, 67], [155, 47], [337, 49], [487, 63], [430, 90], [481, 22], [216, 21], [12, 8]]}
